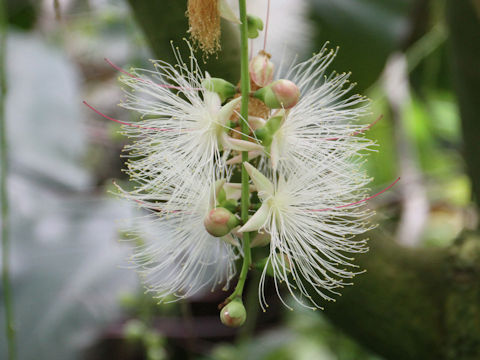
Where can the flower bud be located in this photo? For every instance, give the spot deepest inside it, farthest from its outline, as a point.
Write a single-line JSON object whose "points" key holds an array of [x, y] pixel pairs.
{"points": [[219, 222], [233, 314], [280, 93], [261, 69], [254, 25], [222, 87]]}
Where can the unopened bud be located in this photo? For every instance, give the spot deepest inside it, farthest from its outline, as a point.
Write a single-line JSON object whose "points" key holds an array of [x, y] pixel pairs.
{"points": [[233, 314], [261, 69], [280, 93], [254, 25], [219, 222], [222, 87]]}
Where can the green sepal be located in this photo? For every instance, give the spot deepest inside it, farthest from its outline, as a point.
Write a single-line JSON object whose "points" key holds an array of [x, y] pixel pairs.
{"points": [[221, 197], [274, 123], [268, 97], [265, 134], [231, 205], [222, 87]]}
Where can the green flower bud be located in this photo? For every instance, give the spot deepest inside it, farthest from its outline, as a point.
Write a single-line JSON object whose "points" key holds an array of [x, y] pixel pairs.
{"points": [[233, 314], [261, 69], [254, 24], [280, 93], [222, 87], [219, 222]]}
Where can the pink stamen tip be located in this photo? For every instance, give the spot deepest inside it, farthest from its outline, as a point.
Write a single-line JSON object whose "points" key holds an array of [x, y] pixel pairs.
{"points": [[363, 200], [118, 68], [368, 127], [361, 131], [120, 121]]}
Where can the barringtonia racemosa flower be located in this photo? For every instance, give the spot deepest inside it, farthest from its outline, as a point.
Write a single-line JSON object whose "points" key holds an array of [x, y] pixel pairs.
{"points": [[178, 257], [324, 121], [184, 127], [312, 218]]}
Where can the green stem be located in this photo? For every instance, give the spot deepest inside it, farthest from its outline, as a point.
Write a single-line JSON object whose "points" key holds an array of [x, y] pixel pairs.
{"points": [[10, 330], [245, 90]]}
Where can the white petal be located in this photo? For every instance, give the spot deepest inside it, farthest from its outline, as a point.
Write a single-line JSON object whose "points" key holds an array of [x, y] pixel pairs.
{"points": [[257, 221], [239, 145], [226, 111], [238, 159], [275, 152], [256, 122], [230, 239], [234, 190], [264, 186]]}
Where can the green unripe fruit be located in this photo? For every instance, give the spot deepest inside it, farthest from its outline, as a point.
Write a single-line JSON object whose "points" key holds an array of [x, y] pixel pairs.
{"points": [[233, 314]]}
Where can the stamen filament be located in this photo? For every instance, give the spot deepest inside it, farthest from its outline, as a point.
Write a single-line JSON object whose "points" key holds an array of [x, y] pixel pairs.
{"points": [[360, 201]]}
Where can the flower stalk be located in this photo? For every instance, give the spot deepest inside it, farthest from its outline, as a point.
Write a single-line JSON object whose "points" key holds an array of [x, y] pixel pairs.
{"points": [[245, 200]]}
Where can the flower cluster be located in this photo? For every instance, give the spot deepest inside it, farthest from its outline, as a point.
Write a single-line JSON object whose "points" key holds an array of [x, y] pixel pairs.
{"points": [[305, 151], [305, 148]]}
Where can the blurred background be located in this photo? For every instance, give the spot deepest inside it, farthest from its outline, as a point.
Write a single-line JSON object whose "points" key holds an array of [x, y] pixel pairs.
{"points": [[73, 294]]}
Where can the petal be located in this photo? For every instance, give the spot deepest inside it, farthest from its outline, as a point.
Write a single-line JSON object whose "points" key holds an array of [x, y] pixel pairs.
{"points": [[258, 220], [226, 111], [256, 122], [239, 145], [230, 239], [264, 186], [275, 152], [212, 101], [234, 190], [218, 186], [260, 240], [238, 159]]}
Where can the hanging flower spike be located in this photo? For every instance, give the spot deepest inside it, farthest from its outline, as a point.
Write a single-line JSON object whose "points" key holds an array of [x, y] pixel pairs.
{"points": [[308, 247], [194, 126], [179, 257]]}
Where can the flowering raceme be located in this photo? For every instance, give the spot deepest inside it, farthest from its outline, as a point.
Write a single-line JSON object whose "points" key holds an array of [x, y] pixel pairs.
{"points": [[302, 148]]}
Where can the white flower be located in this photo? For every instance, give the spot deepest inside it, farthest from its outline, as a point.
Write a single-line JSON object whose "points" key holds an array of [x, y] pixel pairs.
{"points": [[325, 120], [183, 128], [313, 218], [179, 257]]}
